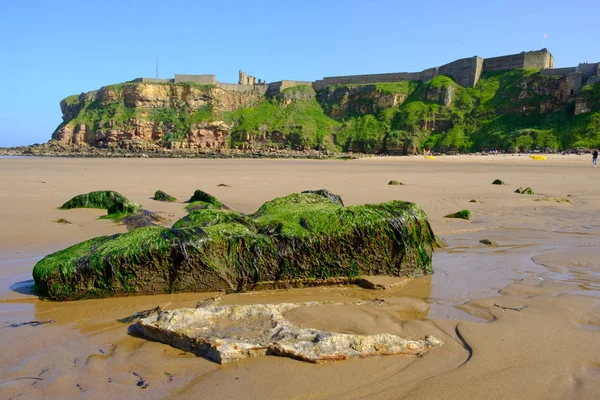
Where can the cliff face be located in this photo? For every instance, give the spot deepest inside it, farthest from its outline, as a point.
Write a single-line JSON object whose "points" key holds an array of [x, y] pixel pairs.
{"points": [[168, 115], [352, 100], [512, 110]]}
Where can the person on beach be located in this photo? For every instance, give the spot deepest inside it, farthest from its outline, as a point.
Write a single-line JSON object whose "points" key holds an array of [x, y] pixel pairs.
{"points": [[595, 158]]}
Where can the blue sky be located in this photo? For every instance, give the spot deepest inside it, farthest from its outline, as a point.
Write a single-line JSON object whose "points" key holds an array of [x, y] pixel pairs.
{"points": [[52, 49]]}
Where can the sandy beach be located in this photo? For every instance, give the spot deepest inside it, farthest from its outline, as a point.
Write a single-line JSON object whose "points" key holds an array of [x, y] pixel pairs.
{"points": [[520, 320]]}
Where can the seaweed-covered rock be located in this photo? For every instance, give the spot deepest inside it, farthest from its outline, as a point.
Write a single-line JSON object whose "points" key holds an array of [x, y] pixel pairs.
{"points": [[159, 195], [199, 195], [114, 203], [302, 237], [209, 217], [439, 242], [498, 182], [462, 214], [395, 183], [487, 242], [142, 219], [327, 194], [527, 190], [200, 205]]}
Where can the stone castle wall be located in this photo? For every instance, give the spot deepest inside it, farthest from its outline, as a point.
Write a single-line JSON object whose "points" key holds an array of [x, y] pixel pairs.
{"points": [[375, 78], [503, 63], [558, 71], [538, 59], [151, 80], [274, 88], [465, 72], [200, 79], [588, 70]]}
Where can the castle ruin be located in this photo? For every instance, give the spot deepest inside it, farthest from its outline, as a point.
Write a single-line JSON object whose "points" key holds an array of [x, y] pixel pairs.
{"points": [[466, 72]]}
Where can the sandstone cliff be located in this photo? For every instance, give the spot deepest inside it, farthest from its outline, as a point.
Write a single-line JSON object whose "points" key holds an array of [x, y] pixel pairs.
{"points": [[153, 113], [513, 110]]}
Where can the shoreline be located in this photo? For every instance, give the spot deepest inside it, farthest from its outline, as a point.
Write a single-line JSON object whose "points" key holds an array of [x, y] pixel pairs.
{"points": [[56, 149]]}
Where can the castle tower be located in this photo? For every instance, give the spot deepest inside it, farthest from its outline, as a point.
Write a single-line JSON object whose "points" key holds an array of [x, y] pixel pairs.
{"points": [[243, 78]]}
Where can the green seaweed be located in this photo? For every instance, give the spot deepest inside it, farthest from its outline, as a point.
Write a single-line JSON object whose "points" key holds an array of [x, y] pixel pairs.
{"points": [[159, 195], [200, 195], [327, 194], [116, 205], [462, 214], [207, 217], [301, 237], [498, 182], [527, 190], [199, 205]]}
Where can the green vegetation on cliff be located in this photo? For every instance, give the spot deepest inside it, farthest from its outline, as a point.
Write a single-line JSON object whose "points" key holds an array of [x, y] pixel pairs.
{"points": [[303, 237], [301, 123], [512, 110], [516, 110]]}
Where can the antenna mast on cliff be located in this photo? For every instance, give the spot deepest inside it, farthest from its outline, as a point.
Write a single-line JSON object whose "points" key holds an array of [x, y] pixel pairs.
{"points": [[156, 67]]}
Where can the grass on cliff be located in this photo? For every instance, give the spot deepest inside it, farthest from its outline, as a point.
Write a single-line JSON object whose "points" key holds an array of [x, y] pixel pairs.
{"points": [[507, 110], [302, 123], [297, 91], [503, 111]]}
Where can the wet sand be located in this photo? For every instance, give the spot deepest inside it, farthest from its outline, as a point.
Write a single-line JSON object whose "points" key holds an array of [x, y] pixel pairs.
{"points": [[519, 320]]}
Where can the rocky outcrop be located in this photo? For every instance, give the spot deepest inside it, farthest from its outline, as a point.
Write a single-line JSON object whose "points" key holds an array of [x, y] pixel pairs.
{"points": [[231, 333], [441, 95], [339, 101], [303, 238], [122, 112]]}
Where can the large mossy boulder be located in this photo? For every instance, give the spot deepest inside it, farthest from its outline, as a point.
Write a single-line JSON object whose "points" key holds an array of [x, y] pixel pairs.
{"points": [[303, 237], [114, 203]]}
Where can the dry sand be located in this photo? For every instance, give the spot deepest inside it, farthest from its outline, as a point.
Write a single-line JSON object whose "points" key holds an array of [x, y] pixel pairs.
{"points": [[520, 320]]}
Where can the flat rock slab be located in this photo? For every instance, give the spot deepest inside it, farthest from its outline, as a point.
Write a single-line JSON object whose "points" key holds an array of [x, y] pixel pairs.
{"points": [[234, 332], [381, 282]]}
